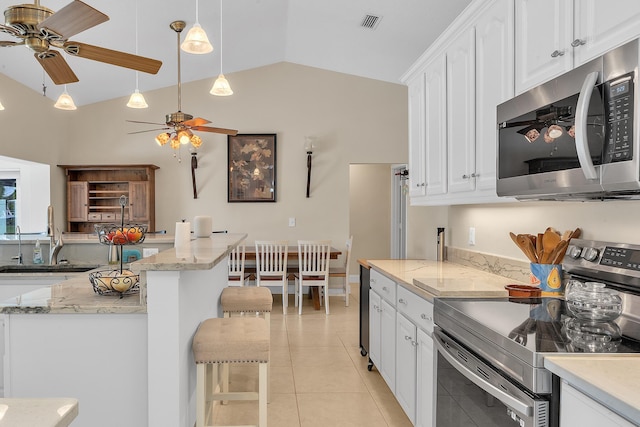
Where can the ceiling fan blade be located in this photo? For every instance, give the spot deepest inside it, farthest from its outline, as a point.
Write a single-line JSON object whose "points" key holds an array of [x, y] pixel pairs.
{"points": [[146, 123], [113, 57], [9, 43], [56, 67], [148, 130], [196, 121], [73, 19], [231, 132]]}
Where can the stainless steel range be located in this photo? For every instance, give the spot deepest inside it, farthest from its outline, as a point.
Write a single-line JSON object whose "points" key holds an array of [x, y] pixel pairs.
{"points": [[490, 365]]}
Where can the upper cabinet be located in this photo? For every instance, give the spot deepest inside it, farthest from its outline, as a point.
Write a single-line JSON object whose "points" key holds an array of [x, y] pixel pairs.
{"points": [[554, 36], [453, 118], [94, 192]]}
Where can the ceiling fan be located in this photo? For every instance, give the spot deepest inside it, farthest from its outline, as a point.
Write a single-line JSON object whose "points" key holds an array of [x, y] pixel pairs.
{"points": [[180, 125], [41, 29]]}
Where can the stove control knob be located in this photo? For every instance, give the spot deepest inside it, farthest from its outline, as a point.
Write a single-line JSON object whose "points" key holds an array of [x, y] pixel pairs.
{"points": [[574, 252], [590, 254]]}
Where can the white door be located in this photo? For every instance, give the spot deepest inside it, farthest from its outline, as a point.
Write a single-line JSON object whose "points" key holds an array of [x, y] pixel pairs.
{"points": [[399, 184], [374, 327], [406, 366], [387, 365], [426, 385]]}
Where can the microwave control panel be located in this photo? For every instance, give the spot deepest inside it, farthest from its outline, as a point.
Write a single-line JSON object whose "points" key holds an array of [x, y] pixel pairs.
{"points": [[619, 105]]}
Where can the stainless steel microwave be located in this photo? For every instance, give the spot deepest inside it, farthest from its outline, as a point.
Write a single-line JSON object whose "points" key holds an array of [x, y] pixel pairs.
{"points": [[576, 136]]}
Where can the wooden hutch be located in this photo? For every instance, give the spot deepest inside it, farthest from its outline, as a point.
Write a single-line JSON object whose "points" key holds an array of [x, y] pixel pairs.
{"points": [[93, 195]]}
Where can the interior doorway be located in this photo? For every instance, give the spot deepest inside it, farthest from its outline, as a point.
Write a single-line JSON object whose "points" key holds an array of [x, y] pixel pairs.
{"points": [[399, 176]]}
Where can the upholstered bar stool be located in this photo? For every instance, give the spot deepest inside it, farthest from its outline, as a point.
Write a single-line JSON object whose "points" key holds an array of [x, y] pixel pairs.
{"points": [[244, 301], [220, 341]]}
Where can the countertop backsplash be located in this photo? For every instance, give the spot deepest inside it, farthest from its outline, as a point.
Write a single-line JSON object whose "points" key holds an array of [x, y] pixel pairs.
{"points": [[511, 268]]}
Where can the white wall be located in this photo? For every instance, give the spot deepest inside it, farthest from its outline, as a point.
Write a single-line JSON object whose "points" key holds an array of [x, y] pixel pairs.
{"points": [[354, 120]]}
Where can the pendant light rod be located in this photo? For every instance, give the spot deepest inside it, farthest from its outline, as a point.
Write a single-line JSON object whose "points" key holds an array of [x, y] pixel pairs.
{"points": [[178, 26]]}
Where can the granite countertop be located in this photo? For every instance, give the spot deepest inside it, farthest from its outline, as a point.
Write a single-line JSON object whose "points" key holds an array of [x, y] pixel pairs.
{"points": [[76, 294], [611, 380], [443, 279], [42, 412]]}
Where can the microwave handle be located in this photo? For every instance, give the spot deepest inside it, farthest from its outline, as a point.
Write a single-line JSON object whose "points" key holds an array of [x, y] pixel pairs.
{"points": [[582, 112]]}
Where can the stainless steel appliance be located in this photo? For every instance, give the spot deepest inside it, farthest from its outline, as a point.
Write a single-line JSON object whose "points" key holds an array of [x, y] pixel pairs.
{"points": [[490, 365], [576, 136]]}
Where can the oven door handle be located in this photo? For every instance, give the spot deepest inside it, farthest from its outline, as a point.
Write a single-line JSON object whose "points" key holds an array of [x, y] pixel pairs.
{"points": [[505, 398], [582, 112]]}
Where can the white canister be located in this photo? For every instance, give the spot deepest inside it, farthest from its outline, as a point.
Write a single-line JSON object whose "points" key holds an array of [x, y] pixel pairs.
{"points": [[182, 237], [202, 226]]}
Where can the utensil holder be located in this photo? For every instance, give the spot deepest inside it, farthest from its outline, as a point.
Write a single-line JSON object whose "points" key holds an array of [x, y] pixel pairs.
{"points": [[548, 277]]}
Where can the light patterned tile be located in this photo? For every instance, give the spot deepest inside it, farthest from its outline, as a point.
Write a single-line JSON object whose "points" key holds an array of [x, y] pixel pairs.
{"points": [[327, 379], [339, 409]]}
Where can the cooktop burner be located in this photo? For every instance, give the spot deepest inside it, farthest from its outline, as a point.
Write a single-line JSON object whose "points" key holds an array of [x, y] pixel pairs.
{"points": [[545, 325]]}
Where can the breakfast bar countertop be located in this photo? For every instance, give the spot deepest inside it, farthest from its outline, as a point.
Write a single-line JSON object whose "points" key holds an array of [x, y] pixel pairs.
{"points": [[76, 295]]}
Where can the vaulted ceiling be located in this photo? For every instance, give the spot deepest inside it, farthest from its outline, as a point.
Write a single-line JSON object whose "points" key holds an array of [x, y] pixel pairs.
{"points": [[325, 34]]}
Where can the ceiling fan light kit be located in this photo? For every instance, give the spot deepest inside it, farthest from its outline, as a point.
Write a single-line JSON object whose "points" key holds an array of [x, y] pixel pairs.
{"points": [[65, 102]]}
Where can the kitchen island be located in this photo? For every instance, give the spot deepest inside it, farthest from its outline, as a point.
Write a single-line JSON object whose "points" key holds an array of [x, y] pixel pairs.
{"points": [[128, 361]]}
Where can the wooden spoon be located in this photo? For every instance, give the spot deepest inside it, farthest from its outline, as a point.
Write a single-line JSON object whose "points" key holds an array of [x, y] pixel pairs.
{"points": [[527, 247], [550, 240], [558, 252]]}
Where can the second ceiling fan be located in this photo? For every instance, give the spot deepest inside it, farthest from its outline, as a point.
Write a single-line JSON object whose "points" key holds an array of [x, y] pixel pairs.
{"points": [[179, 125]]}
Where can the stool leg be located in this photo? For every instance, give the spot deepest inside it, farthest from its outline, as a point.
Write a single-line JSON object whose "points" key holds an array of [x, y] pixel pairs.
{"points": [[201, 398], [267, 318], [262, 394], [224, 386]]}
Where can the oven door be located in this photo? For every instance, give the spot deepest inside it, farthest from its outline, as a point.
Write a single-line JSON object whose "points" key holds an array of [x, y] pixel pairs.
{"points": [[471, 392]]}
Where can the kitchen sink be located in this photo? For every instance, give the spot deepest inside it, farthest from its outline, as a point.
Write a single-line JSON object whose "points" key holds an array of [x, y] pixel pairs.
{"points": [[45, 268]]}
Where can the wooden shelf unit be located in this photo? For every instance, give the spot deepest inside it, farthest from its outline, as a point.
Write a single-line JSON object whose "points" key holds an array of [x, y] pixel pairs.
{"points": [[94, 191]]}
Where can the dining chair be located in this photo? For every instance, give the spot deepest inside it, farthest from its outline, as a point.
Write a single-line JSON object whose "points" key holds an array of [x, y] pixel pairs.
{"points": [[237, 275], [313, 269], [271, 266], [343, 272]]}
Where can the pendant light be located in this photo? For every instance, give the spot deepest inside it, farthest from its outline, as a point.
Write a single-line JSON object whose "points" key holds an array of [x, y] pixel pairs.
{"points": [[65, 102], [221, 87], [197, 41], [137, 99]]}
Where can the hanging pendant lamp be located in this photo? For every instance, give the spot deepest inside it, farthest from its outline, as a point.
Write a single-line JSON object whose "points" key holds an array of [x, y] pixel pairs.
{"points": [[65, 102], [196, 41], [136, 100], [221, 87]]}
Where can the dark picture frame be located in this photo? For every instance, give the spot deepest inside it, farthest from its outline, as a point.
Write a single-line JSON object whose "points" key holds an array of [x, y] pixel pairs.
{"points": [[251, 167]]}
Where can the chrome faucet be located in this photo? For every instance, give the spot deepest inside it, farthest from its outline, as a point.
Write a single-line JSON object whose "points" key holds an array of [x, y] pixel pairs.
{"points": [[54, 245], [19, 256]]}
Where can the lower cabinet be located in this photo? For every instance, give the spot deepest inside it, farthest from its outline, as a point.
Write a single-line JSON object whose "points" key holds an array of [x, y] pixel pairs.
{"points": [[578, 409], [401, 347]]}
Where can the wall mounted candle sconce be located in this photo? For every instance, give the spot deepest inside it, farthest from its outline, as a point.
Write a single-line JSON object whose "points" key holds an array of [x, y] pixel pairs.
{"points": [[309, 146]]}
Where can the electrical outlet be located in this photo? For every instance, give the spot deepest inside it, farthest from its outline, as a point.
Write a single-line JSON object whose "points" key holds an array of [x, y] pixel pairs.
{"points": [[149, 251], [472, 236], [292, 222]]}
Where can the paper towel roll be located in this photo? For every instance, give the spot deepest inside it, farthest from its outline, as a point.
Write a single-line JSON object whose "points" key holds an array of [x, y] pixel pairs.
{"points": [[202, 226], [183, 234]]}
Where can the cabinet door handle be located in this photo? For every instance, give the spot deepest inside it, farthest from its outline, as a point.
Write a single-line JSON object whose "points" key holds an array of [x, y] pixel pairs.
{"points": [[407, 337], [578, 42], [557, 53], [372, 280], [414, 343], [425, 317], [384, 288], [402, 301]]}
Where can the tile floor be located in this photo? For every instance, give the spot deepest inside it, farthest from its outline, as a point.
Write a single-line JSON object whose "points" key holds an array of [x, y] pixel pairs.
{"points": [[318, 377]]}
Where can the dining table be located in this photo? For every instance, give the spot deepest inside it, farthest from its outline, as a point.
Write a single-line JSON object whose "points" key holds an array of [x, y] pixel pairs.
{"points": [[292, 258]]}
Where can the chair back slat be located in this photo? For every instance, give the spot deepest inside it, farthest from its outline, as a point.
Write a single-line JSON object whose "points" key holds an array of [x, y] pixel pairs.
{"points": [[271, 257], [313, 257]]}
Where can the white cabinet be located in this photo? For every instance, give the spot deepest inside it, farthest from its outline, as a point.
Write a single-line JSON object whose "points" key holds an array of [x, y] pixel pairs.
{"points": [[406, 339], [554, 36], [382, 326], [425, 380], [577, 409], [464, 80], [461, 64], [415, 368]]}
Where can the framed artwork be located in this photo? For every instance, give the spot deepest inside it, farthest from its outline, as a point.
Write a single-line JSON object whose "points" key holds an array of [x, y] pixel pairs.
{"points": [[251, 168]]}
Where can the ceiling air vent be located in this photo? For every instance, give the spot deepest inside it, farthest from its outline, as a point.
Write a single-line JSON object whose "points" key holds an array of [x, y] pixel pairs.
{"points": [[370, 21]]}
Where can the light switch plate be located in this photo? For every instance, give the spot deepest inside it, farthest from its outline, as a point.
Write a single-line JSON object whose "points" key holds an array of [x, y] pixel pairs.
{"points": [[472, 236], [292, 222], [149, 251]]}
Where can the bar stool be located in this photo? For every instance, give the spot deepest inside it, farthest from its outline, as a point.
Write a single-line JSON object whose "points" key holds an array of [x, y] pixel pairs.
{"points": [[244, 300], [220, 341]]}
